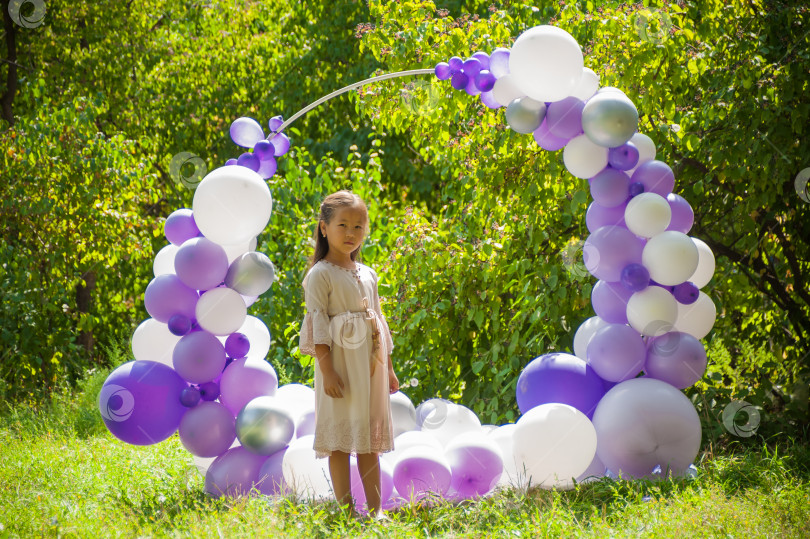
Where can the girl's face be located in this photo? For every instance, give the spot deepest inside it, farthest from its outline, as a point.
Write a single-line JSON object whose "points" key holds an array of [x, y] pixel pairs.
{"points": [[346, 231]]}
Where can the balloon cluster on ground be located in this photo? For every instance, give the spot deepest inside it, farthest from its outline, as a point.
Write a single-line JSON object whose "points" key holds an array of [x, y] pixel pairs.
{"points": [[614, 407]]}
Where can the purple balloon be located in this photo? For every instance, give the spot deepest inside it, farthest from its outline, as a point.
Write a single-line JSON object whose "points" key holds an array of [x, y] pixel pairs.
{"points": [[249, 160], [608, 250], [208, 430], [499, 62], [140, 402], [201, 264], [246, 132], [180, 226], [230, 162], [244, 380], [305, 424], [489, 100], [686, 293], [233, 473], [275, 122], [676, 358], [598, 216], [281, 143], [455, 63], [471, 67], [263, 149], [359, 492], [616, 352], [271, 475], [471, 88], [442, 71], [209, 391], [656, 176], [635, 277], [683, 217], [198, 357], [190, 397], [166, 295], [237, 345], [610, 187], [609, 300], [459, 80], [636, 188], [623, 157], [564, 117], [421, 470], [485, 81], [179, 325], [483, 59], [547, 140], [267, 167], [475, 470], [559, 377]]}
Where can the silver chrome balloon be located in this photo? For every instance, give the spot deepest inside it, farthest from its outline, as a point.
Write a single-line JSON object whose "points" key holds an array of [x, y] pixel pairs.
{"points": [[609, 119], [251, 274], [264, 426], [524, 114]]}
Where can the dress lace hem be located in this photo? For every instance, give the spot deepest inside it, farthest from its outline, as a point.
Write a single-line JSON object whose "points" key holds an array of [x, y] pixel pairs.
{"points": [[353, 437]]}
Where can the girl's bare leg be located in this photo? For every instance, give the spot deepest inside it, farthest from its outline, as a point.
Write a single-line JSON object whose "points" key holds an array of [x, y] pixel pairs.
{"points": [[368, 465], [341, 480]]}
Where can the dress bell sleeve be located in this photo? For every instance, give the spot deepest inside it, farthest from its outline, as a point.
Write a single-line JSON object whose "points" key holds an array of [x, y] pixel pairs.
{"points": [[388, 342], [315, 326]]}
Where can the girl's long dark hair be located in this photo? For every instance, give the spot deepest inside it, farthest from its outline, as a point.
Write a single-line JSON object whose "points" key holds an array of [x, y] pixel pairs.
{"points": [[335, 201]]}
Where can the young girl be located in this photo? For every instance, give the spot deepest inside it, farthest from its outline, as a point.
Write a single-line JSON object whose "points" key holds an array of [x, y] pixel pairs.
{"points": [[345, 330]]}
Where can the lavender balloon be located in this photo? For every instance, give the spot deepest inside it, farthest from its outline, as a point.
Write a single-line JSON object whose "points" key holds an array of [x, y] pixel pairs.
{"points": [[485, 80], [263, 149], [636, 188], [616, 352], [234, 473], [656, 176], [547, 140], [608, 250], [271, 475], [489, 100], [267, 167], [686, 293], [281, 143], [244, 380], [455, 63], [683, 217], [598, 216], [483, 59], [207, 430], [564, 117], [635, 277], [199, 357], [471, 67], [180, 226], [249, 160], [676, 358], [201, 264], [609, 300], [209, 391], [623, 157], [459, 80], [561, 378], [246, 132], [610, 188], [230, 162], [237, 345], [442, 71], [140, 402], [179, 325], [275, 122], [476, 465], [166, 295], [421, 470], [499, 62], [190, 397]]}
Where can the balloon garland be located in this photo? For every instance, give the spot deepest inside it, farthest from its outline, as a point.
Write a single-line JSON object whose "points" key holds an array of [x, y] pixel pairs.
{"points": [[200, 367]]}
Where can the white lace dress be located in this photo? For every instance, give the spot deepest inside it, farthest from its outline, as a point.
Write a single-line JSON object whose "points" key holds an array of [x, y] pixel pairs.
{"points": [[343, 311]]}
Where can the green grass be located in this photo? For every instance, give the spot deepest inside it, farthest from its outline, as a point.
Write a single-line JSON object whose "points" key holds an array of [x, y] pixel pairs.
{"points": [[62, 474]]}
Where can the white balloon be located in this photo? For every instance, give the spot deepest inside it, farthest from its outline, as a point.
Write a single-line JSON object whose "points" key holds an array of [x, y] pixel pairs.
{"points": [[652, 311], [546, 63], [696, 319], [258, 335], [554, 442], [502, 436], [164, 260], [646, 149], [588, 84], [409, 439], [403, 413], [583, 158], [237, 250], [476, 460], [295, 394], [152, 341], [584, 333], [445, 423], [705, 267], [306, 475], [221, 311], [505, 90], [647, 214], [671, 257], [232, 205]]}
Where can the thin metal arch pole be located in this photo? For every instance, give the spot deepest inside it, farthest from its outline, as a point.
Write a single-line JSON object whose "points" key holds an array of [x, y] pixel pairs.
{"points": [[346, 89]]}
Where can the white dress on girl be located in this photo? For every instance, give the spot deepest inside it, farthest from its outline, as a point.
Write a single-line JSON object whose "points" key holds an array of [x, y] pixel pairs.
{"points": [[343, 312]]}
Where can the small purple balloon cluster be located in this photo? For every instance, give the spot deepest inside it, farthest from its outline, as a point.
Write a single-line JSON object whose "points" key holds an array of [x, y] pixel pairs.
{"points": [[248, 133], [477, 74]]}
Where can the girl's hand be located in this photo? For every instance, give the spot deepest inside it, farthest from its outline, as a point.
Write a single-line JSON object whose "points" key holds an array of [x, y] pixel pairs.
{"points": [[393, 382], [332, 384]]}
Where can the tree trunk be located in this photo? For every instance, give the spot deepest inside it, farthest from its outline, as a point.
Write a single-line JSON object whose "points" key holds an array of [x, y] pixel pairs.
{"points": [[84, 302]]}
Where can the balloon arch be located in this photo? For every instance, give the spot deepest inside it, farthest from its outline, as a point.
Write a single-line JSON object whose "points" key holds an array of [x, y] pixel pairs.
{"points": [[614, 407]]}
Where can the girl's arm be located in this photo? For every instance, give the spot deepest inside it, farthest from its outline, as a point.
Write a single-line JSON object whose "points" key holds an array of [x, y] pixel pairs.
{"points": [[332, 384], [324, 357]]}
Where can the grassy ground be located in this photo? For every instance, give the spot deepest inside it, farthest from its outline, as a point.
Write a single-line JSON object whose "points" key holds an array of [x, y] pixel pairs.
{"points": [[62, 474]]}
